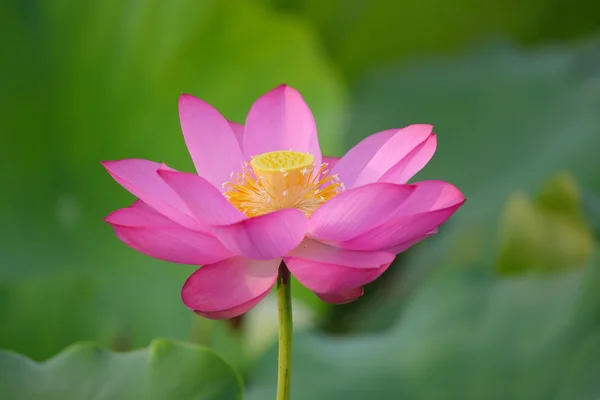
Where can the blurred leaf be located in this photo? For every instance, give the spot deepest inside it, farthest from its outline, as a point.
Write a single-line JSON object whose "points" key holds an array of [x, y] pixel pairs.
{"points": [[165, 370], [61, 307], [361, 34], [464, 335], [560, 195], [521, 236], [547, 234], [95, 80], [506, 120]]}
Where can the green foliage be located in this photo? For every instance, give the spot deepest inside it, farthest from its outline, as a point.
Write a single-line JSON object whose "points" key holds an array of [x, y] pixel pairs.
{"points": [[464, 335], [547, 234], [506, 120], [363, 34], [88, 81], [166, 370]]}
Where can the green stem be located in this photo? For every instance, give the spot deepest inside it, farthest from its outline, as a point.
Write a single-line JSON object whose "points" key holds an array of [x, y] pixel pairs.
{"points": [[284, 305]]}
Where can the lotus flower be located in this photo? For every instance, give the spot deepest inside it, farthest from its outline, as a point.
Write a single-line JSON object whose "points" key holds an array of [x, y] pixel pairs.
{"points": [[263, 193]]}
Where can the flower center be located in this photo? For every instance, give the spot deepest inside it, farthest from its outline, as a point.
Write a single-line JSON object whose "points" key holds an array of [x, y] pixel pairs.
{"points": [[281, 179]]}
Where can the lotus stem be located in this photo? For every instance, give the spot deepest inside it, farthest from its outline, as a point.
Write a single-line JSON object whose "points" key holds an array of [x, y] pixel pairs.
{"points": [[284, 306]]}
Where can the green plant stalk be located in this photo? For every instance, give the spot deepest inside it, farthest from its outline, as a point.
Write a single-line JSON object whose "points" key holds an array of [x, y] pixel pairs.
{"points": [[284, 306]]}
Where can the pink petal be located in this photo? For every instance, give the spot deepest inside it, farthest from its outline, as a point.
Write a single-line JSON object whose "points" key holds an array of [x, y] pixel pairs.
{"points": [[176, 245], [370, 159], [330, 278], [331, 161], [428, 196], [234, 311], [264, 237], [356, 159], [206, 203], [406, 245], [356, 211], [344, 297], [412, 163], [281, 120], [139, 214], [153, 234], [238, 131], [430, 205], [140, 178], [134, 218], [139, 204], [210, 140], [324, 253], [328, 269], [405, 230], [229, 288]]}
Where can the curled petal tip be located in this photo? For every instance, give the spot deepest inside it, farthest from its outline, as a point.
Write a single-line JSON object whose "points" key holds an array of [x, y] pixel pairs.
{"points": [[162, 172], [185, 97], [107, 164], [422, 126]]}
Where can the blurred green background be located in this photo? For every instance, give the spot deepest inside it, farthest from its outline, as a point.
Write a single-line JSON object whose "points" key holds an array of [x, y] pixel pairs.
{"points": [[503, 304]]}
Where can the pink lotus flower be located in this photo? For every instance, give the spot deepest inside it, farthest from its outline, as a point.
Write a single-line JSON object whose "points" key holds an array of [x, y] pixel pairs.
{"points": [[263, 193]]}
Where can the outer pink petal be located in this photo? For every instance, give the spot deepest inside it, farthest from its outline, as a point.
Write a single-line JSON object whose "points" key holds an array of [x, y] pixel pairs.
{"points": [[331, 278], [210, 140], [402, 231], [264, 237], [356, 211], [238, 131], [229, 288], [324, 253], [344, 297], [428, 196], [139, 214], [148, 216], [328, 269], [281, 120], [140, 205], [430, 205], [152, 234], [370, 159], [406, 245], [356, 159], [412, 163], [206, 203], [331, 161], [234, 311], [140, 178]]}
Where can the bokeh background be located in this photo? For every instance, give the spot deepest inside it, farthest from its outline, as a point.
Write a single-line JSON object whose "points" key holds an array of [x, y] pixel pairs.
{"points": [[503, 304]]}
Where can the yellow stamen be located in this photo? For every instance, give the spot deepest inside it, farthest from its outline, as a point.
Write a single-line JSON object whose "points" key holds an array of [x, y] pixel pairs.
{"points": [[281, 179]]}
